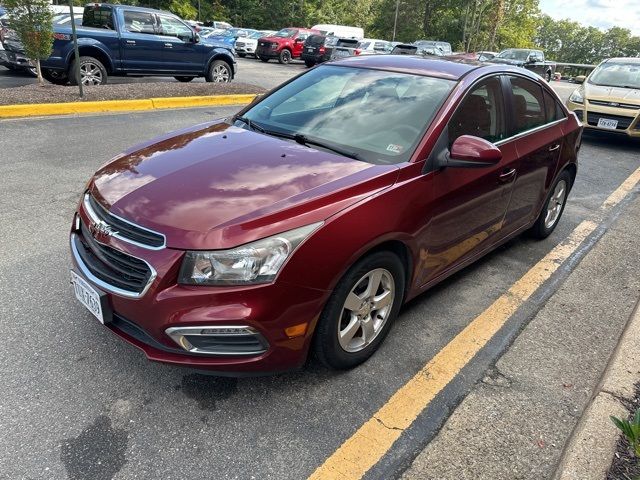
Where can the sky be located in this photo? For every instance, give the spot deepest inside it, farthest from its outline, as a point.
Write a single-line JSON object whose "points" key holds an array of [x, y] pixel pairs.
{"points": [[597, 13]]}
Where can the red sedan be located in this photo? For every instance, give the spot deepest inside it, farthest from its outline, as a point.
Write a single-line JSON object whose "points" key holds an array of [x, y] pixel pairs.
{"points": [[303, 223]]}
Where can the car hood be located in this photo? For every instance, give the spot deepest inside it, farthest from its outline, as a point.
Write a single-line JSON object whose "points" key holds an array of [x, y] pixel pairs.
{"points": [[217, 186], [612, 94]]}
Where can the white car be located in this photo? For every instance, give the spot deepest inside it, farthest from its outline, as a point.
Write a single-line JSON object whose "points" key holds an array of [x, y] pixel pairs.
{"points": [[372, 46], [247, 45]]}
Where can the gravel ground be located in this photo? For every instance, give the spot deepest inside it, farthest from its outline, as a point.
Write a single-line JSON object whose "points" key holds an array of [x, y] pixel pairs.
{"points": [[54, 93]]}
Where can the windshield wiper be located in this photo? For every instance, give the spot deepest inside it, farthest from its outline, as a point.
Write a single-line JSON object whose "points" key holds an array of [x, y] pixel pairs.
{"points": [[304, 140], [251, 124]]}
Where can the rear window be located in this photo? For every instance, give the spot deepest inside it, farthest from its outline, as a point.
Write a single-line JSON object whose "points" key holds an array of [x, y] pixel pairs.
{"points": [[98, 17], [315, 40]]}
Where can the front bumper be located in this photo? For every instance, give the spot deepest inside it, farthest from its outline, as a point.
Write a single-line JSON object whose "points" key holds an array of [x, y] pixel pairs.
{"points": [[588, 114], [266, 310], [16, 60], [267, 52]]}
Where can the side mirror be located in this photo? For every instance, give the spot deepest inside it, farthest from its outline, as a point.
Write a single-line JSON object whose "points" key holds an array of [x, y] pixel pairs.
{"points": [[468, 151], [298, 40], [196, 37]]}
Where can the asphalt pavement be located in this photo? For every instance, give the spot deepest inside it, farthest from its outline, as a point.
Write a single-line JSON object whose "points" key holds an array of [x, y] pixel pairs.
{"points": [[79, 403]]}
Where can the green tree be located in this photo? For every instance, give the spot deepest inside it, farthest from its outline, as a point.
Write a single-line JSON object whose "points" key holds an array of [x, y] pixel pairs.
{"points": [[33, 22]]}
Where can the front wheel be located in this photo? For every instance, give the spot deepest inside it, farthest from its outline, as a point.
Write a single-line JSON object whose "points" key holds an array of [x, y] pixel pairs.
{"points": [[242, 55], [264, 59], [219, 72], [548, 76], [309, 63], [360, 311], [92, 72], [553, 207], [285, 56]]}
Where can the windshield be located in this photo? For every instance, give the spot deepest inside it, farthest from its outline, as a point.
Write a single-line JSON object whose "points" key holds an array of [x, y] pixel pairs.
{"points": [[514, 55], [379, 116], [626, 75], [286, 33]]}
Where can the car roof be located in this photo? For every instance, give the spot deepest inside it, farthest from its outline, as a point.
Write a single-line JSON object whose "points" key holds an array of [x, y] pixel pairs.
{"points": [[443, 67], [129, 7]]}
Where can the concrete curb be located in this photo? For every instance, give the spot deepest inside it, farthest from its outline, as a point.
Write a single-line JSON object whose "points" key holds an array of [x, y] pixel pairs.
{"points": [[590, 449], [71, 108]]}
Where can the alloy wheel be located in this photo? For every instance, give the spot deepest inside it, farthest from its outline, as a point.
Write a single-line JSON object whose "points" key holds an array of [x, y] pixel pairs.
{"points": [[554, 206], [220, 74], [90, 74], [366, 310]]}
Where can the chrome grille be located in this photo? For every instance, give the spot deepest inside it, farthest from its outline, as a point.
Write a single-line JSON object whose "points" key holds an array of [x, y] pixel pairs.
{"points": [[123, 229], [109, 268], [629, 106]]}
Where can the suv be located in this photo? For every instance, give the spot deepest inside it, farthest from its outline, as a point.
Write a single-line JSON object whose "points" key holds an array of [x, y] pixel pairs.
{"points": [[285, 45]]}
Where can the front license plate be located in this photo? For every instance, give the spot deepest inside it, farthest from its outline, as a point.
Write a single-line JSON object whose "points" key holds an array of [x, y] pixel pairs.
{"points": [[87, 296], [607, 123]]}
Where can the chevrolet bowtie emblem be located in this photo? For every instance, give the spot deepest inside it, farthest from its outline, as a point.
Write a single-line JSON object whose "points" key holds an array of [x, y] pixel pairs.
{"points": [[101, 228]]}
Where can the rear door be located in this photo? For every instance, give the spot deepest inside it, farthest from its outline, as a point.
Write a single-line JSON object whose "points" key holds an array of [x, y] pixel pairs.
{"points": [[470, 203], [538, 136], [180, 53], [140, 45]]}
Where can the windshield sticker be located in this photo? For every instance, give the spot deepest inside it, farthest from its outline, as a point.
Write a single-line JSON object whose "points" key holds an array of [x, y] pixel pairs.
{"points": [[394, 148]]}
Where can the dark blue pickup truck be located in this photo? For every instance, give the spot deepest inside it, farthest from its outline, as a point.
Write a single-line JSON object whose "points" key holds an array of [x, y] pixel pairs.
{"points": [[119, 40]]}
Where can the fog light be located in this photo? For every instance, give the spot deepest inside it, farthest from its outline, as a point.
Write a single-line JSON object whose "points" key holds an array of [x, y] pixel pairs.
{"points": [[296, 330], [222, 340]]}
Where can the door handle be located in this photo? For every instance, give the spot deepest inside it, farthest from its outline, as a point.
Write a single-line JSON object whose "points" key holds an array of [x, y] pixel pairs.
{"points": [[507, 175], [554, 148], [168, 45], [131, 42]]}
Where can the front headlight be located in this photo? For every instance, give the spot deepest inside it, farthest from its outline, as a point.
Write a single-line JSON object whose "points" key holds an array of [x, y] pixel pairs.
{"points": [[576, 96], [256, 262]]}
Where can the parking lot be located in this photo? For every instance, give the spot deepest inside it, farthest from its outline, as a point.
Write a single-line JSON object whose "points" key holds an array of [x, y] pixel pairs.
{"points": [[79, 402]]}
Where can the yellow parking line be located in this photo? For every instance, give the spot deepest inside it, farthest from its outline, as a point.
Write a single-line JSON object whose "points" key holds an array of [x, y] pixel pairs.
{"points": [[373, 439]]}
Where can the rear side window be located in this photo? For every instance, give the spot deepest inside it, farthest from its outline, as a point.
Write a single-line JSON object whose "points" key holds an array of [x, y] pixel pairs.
{"points": [[528, 104], [481, 113], [553, 109], [97, 17], [139, 22]]}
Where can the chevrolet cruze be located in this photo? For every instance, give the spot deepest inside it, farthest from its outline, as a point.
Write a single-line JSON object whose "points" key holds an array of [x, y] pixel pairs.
{"points": [[302, 224]]}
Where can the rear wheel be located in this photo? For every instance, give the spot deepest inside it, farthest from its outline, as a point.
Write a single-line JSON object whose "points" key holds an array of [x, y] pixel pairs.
{"points": [[219, 72], [184, 79], [548, 76], [242, 55], [309, 63], [360, 311], [33, 71], [264, 59], [553, 207], [285, 56], [55, 76], [92, 72]]}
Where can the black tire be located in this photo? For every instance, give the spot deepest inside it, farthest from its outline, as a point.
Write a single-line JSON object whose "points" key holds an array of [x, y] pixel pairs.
{"points": [[284, 57], [33, 71], [219, 72], [89, 64], [541, 228], [326, 346], [55, 76], [184, 79], [242, 55], [309, 63], [264, 59], [548, 76]]}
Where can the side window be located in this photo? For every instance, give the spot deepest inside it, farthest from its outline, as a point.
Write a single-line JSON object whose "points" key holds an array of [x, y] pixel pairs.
{"points": [[553, 110], [139, 22], [528, 104], [172, 27], [302, 36], [480, 114]]}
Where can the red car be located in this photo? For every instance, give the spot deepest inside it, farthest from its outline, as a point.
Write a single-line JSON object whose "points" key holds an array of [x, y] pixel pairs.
{"points": [[284, 45], [303, 223]]}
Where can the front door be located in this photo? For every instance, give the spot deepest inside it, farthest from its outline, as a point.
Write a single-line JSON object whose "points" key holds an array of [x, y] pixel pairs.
{"points": [[470, 203], [180, 52]]}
